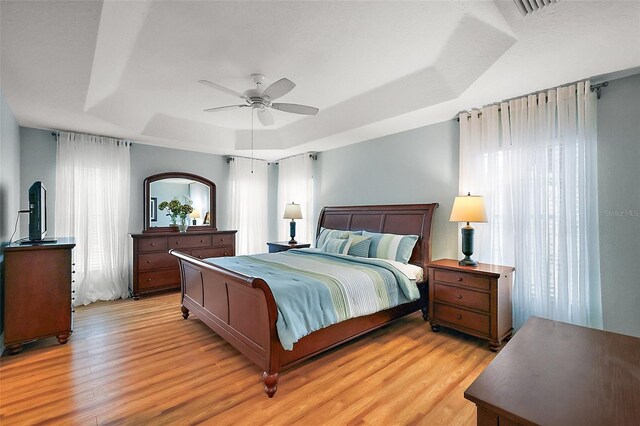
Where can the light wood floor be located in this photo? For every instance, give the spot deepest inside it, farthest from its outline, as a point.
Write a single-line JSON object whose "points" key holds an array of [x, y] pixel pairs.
{"points": [[139, 362]]}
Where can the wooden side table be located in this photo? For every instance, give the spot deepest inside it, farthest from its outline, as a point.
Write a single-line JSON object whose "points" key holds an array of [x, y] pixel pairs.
{"points": [[553, 373], [277, 246], [472, 299]]}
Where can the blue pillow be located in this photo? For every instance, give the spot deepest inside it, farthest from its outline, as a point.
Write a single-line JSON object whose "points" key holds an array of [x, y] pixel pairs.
{"points": [[391, 246], [359, 246], [336, 245], [333, 233]]}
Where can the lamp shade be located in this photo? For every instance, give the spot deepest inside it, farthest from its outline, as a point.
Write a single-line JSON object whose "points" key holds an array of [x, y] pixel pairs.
{"points": [[195, 214], [292, 211], [468, 208]]}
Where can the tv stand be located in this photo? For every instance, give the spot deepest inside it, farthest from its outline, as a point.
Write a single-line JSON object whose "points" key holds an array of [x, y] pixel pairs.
{"points": [[37, 292], [35, 242]]}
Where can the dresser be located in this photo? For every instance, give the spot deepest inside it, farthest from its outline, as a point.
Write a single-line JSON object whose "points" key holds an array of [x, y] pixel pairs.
{"points": [[472, 299], [37, 292], [154, 269]]}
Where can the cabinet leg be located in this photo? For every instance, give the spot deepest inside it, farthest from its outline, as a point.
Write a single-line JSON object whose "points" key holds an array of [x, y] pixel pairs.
{"points": [[185, 312], [435, 327], [494, 345], [14, 349], [63, 338], [136, 297], [270, 383]]}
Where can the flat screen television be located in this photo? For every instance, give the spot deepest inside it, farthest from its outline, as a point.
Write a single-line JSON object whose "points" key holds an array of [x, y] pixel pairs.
{"points": [[37, 211]]}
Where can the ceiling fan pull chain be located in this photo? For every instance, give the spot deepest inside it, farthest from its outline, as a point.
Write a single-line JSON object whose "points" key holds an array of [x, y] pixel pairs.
{"points": [[251, 140]]}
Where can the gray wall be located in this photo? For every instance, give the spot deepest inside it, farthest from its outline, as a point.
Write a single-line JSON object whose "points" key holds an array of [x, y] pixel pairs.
{"points": [[37, 162], [619, 200], [147, 160], [416, 166], [9, 189]]}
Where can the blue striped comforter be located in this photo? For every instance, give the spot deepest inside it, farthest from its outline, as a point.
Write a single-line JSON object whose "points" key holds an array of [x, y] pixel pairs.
{"points": [[313, 289]]}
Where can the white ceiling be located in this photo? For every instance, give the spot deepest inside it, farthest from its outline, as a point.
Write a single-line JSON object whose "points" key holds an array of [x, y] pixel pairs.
{"points": [[130, 68]]}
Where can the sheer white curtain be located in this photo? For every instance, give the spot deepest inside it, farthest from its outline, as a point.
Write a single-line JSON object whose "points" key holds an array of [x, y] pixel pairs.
{"points": [[248, 204], [295, 185], [535, 162], [92, 205]]}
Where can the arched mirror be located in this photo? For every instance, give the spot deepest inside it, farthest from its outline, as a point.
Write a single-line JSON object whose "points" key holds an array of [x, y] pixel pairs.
{"points": [[185, 187]]}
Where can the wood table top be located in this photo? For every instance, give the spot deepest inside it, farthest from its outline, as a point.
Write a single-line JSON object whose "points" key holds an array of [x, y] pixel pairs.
{"points": [[553, 373]]}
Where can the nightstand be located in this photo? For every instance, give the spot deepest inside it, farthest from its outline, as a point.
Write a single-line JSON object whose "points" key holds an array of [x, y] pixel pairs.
{"points": [[472, 299], [278, 246]]}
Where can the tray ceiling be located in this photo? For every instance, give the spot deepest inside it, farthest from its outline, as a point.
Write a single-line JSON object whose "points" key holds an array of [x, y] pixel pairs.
{"points": [[131, 69]]}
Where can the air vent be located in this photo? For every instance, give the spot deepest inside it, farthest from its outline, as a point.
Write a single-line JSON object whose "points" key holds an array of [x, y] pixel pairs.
{"points": [[529, 6]]}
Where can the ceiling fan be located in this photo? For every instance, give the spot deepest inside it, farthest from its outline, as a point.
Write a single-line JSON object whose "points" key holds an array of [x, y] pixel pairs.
{"points": [[260, 100]]}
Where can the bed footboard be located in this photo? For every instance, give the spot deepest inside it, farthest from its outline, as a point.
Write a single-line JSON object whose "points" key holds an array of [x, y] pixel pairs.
{"points": [[239, 308]]}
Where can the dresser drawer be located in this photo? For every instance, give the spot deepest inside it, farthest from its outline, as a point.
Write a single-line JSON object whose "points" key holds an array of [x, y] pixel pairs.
{"points": [[154, 279], [152, 261], [212, 252], [462, 318], [189, 241], [462, 297], [464, 279], [152, 244], [220, 240]]}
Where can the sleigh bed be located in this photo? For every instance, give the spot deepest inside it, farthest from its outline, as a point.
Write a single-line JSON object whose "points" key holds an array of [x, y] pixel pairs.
{"points": [[242, 309]]}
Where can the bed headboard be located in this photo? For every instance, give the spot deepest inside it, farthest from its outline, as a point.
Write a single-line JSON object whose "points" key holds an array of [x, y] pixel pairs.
{"points": [[403, 219]]}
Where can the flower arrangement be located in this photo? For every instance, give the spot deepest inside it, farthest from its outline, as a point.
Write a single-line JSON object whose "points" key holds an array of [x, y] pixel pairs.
{"points": [[175, 209]]}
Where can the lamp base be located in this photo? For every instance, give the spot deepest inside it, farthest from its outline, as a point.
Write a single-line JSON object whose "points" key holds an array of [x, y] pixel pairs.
{"points": [[467, 261], [292, 232]]}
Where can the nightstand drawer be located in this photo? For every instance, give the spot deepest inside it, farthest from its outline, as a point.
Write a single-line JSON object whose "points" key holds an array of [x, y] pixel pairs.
{"points": [[464, 279], [153, 261], [462, 297], [462, 318]]}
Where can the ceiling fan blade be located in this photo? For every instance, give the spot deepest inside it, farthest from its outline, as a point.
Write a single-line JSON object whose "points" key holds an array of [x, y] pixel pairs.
{"points": [[222, 89], [265, 117], [225, 108], [279, 88], [295, 108]]}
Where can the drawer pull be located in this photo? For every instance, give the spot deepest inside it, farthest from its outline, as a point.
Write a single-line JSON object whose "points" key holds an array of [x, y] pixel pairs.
{"points": [[148, 261], [459, 316], [459, 297], [225, 253], [460, 279], [177, 242], [152, 244], [148, 280], [222, 240], [202, 241]]}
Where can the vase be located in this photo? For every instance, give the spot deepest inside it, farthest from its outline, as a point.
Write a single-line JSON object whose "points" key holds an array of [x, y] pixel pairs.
{"points": [[183, 226]]}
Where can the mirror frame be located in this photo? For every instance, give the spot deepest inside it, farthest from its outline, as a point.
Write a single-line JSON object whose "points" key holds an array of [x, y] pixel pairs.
{"points": [[147, 200]]}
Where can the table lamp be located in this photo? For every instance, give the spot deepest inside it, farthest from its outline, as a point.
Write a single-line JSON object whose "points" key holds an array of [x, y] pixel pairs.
{"points": [[292, 211], [469, 208], [194, 215]]}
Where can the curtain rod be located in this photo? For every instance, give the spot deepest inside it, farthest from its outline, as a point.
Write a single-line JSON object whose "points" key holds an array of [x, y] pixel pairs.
{"points": [[57, 133], [313, 156], [594, 87]]}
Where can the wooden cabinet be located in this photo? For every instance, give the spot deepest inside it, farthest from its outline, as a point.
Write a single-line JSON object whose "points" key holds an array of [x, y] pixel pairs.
{"points": [[37, 292], [154, 269], [472, 299], [278, 246]]}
